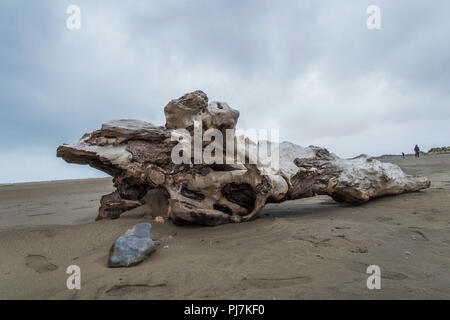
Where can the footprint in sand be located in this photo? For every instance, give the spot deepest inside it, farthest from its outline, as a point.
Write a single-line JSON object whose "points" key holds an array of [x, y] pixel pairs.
{"points": [[39, 263], [420, 233], [274, 283], [316, 242], [387, 220], [41, 214], [361, 267], [124, 289], [393, 275]]}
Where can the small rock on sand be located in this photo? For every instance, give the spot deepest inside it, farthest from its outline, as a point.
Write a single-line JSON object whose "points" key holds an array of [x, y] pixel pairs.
{"points": [[132, 247]]}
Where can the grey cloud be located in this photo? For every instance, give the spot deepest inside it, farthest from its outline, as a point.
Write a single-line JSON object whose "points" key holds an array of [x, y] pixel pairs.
{"points": [[310, 68]]}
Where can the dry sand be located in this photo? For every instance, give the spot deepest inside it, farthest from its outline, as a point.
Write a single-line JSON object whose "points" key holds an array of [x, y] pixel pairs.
{"points": [[305, 249]]}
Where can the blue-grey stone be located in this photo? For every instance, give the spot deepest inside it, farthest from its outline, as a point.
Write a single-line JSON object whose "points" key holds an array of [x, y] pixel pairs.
{"points": [[132, 247]]}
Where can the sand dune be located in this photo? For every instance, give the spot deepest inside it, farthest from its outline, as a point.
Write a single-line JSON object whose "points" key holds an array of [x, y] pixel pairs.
{"points": [[303, 249]]}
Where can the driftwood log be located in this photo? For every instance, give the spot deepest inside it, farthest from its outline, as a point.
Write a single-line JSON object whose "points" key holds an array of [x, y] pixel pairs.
{"points": [[139, 157]]}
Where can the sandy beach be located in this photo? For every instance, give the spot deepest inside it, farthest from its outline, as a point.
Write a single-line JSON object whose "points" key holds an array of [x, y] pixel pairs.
{"points": [[311, 248]]}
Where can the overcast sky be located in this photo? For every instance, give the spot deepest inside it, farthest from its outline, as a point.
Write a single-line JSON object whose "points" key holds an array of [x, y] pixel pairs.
{"points": [[310, 68]]}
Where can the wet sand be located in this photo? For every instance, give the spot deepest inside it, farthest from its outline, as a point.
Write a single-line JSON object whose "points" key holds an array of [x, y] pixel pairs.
{"points": [[305, 249]]}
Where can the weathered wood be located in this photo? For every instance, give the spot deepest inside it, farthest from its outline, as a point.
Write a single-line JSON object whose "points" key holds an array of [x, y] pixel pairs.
{"points": [[138, 156]]}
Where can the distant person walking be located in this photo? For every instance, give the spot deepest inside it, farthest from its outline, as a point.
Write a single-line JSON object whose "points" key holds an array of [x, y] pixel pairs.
{"points": [[403, 155], [417, 151]]}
